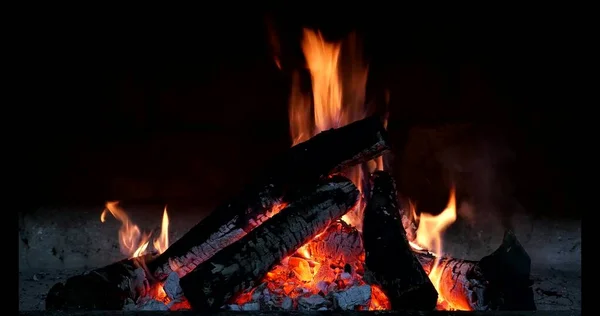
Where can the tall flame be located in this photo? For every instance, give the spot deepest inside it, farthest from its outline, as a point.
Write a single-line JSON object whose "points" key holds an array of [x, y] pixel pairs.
{"points": [[132, 241], [162, 242], [338, 97], [429, 236]]}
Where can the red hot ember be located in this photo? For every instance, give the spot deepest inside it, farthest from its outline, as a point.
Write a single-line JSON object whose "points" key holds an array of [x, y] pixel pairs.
{"points": [[327, 270]]}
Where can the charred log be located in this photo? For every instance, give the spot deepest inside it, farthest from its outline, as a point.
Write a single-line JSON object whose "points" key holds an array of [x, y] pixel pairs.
{"points": [[105, 288], [390, 263], [328, 152], [340, 243], [499, 281], [243, 264]]}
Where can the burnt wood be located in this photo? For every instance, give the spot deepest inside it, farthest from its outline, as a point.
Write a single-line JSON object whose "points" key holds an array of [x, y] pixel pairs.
{"points": [[244, 263], [389, 260], [499, 281], [105, 288], [296, 313], [340, 244], [327, 152]]}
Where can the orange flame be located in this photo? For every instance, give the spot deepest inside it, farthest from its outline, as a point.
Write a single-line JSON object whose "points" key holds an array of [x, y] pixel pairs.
{"points": [[429, 236], [338, 97], [162, 242], [132, 241]]}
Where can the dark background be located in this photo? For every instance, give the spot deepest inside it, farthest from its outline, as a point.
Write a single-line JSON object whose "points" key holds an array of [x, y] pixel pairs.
{"points": [[187, 107]]}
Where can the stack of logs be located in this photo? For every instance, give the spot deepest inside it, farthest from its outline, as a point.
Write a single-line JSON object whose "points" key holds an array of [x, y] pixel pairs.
{"points": [[301, 195]]}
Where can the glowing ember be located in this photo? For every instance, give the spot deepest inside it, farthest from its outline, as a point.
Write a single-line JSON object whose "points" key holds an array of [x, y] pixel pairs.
{"points": [[328, 271]]}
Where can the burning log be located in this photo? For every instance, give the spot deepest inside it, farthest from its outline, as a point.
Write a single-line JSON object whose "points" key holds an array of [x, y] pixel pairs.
{"points": [[499, 281], [402, 279], [106, 288], [328, 152], [340, 243], [243, 264]]}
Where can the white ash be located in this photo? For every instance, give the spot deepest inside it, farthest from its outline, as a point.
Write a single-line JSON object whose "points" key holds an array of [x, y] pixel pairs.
{"points": [[287, 303], [253, 306], [353, 297], [153, 305], [172, 287], [313, 302], [145, 304], [339, 243], [138, 284], [344, 289]]}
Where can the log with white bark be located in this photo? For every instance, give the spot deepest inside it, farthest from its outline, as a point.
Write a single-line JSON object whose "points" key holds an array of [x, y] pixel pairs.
{"points": [[328, 152], [243, 264], [499, 281]]}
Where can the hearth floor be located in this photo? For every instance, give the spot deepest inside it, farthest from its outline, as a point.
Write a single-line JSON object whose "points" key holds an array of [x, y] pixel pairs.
{"points": [[63, 243]]}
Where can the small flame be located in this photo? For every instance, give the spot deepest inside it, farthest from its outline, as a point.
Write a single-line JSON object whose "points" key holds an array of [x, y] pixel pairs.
{"points": [[304, 252], [429, 236], [132, 242], [162, 242]]}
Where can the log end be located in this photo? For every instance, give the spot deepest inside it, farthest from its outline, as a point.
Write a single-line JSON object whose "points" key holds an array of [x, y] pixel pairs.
{"points": [[390, 261], [508, 272], [85, 292]]}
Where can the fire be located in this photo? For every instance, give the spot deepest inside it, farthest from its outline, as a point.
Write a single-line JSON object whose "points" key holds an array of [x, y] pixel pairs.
{"points": [[429, 237], [132, 241], [162, 242], [338, 98]]}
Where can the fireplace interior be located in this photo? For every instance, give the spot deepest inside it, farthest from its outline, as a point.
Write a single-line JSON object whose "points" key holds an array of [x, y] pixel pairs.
{"points": [[313, 164]]}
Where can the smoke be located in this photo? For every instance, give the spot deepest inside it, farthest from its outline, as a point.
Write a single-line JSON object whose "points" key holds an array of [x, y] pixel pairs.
{"points": [[479, 164]]}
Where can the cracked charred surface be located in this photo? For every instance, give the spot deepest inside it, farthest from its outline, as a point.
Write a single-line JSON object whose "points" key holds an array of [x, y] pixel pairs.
{"points": [[105, 288], [389, 259], [499, 281], [77, 235], [330, 151], [340, 243], [244, 263]]}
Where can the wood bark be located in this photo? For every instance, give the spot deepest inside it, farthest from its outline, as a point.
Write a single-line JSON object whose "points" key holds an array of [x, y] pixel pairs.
{"points": [[105, 288], [328, 152], [499, 281], [389, 260], [243, 264], [574, 312], [339, 244]]}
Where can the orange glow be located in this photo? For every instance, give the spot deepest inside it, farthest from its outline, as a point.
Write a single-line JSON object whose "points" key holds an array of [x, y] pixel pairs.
{"points": [[304, 252], [429, 237], [338, 97], [379, 301]]}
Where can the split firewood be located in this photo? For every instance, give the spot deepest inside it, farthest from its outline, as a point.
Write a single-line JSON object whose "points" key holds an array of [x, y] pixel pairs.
{"points": [[340, 243], [389, 260], [106, 288], [243, 264], [500, 281], [328, 152]]}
